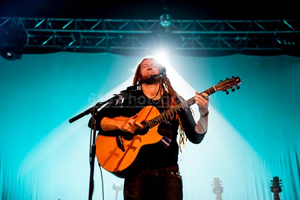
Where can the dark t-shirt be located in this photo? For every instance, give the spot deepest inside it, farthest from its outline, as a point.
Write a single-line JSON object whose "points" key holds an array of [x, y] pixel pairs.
{"points": [[153, 157]]}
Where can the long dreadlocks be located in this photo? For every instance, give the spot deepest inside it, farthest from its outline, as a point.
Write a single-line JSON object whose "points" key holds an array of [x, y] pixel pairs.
{"points": [[168, 90]]}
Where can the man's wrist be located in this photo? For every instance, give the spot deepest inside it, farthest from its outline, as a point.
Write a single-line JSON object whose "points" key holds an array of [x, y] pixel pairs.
{"points": [[205, 114]]}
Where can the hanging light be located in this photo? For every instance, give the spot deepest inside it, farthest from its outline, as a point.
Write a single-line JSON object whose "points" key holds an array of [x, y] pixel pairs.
{"points": [[12, 43], [165, 20]]}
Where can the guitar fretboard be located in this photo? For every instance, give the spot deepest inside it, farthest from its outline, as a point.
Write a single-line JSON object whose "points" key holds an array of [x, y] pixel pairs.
{"points": [[173, 111], [276, 196]]}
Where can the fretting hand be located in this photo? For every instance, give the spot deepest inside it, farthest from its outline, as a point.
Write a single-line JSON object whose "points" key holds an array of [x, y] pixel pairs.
{"points": [[202, 100]]}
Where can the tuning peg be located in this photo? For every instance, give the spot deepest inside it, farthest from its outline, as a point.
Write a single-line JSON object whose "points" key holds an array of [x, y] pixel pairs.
{"points": [[238, 87], [227, 92], [232, 90]]}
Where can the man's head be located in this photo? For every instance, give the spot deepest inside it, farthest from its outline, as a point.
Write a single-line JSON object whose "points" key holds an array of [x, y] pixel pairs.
{"points": [[147, 68]]}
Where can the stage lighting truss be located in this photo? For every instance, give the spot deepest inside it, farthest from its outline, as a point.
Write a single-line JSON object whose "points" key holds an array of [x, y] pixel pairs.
{"points": [[182, 35]]}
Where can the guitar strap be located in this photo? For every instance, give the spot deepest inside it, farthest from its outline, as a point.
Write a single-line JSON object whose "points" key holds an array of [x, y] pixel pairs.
{"points": [[182, 137]]}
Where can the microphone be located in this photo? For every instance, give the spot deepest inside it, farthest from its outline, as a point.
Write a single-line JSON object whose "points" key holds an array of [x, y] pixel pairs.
{"points": [[153, 77]]}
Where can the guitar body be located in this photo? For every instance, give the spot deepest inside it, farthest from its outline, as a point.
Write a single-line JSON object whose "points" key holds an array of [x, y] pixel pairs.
{"points": [[116, 154], [117, 151]]}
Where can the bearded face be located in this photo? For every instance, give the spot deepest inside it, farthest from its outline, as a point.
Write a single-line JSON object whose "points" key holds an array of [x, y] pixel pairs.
{"points": [[148, 68]]}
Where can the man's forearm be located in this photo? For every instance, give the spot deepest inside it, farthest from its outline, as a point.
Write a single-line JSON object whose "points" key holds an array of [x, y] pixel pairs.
{"points": [[108, 124], [202, 124]]}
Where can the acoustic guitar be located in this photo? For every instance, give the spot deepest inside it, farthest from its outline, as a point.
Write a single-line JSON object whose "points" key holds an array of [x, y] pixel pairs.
{"points": [[117, 151], [276, 187]]}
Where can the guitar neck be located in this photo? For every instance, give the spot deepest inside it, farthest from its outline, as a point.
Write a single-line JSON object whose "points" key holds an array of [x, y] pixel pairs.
{"points": [[276, 196], [218, 197], [172, 111], [191, 101]]}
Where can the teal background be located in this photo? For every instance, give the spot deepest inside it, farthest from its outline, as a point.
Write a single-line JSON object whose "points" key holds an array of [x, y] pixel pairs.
{"points": [[253, 133]]}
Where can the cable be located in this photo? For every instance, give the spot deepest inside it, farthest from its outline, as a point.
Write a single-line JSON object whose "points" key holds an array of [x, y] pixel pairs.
{"points": [[91, 143]]}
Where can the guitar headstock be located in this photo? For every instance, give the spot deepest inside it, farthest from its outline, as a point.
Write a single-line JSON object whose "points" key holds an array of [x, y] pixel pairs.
{"points": [[228, 84], [276, 185], [217, 189]]}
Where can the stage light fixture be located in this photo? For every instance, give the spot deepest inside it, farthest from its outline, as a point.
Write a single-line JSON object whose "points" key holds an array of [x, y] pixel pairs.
{"points": [[12, 43], [11, 52], [165, 20]]}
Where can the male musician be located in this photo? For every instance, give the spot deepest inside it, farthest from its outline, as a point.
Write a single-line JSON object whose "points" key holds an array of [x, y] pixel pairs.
{"points": [[155, 173]]}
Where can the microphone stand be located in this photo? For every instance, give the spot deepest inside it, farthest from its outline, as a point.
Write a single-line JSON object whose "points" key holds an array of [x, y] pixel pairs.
{"points": [[116, 96], [92, 110], [93, 139]]}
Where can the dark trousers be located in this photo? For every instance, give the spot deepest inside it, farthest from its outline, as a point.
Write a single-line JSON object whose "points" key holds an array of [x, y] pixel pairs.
{"points": [[154, 184]]}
